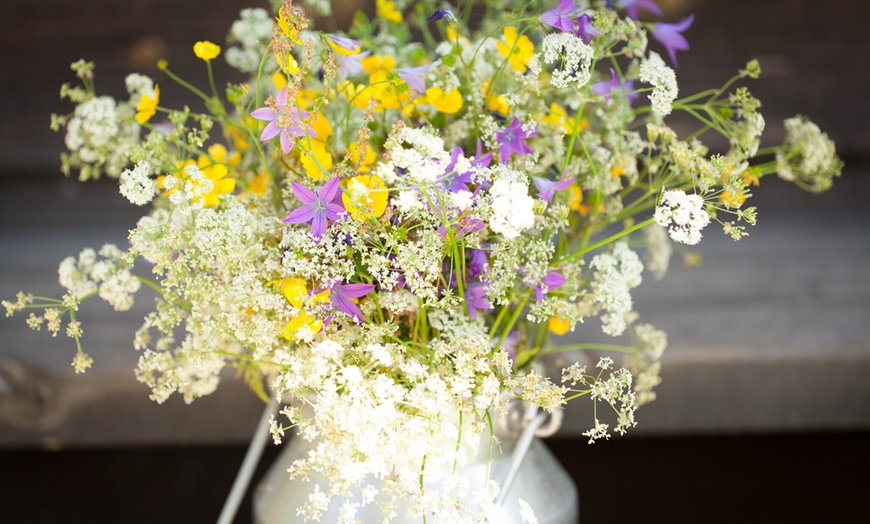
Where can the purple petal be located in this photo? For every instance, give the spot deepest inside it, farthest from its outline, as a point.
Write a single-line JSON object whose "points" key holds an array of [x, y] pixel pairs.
{"points": [[282, 98], [264, 113], [329, 190], [553, 280], [415, 77], [300, 215], [270, 131], [285, 142], [318, 224], [356, 290], [343, 304], [335, 210], [305, 195]]}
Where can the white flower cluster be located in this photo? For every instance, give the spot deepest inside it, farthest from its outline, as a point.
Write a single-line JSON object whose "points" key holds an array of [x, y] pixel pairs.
{"points": [[253, 31], [425, 158], [136, 184], [574, 55], [99, 138], [808, 156], [615, 274], [654, 71], [512, 208], [683, 215], [110, 276]]}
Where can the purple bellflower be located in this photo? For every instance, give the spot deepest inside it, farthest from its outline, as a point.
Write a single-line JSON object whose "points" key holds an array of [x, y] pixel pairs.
{"points": [[553, 280], [317, 208], [562, 16], [670, 36], [340, 296], [284, 119], [512, 140], [478, 265], [442, 14], [613, 87], [475, 299], [547, 188], [585, 30], [351, 65], [633, 6], [415, 77]]}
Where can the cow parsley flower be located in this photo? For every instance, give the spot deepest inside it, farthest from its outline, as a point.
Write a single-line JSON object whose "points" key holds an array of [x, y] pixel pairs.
{"points": [[574, 56], [682, 215], [654, 71], [137, 186], [512, 208]]}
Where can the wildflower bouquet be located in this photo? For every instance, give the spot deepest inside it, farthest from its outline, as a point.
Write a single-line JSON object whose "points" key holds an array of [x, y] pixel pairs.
{"points": [[387, 229]]}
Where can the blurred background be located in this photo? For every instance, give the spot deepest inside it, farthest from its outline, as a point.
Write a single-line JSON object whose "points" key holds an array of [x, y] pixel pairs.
{"points": [[764, 410]]}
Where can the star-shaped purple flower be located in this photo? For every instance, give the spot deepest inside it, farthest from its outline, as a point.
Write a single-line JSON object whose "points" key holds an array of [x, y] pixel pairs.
{"points": [[608, 89], [562, 16], [670, 36], [475, 299], [547, 188], [478, 265], [317, 208], [284, 119], [512, 140], [351, 65], [585, 30], [553, 280], [632, 7], [415, 77], [340, 296]]}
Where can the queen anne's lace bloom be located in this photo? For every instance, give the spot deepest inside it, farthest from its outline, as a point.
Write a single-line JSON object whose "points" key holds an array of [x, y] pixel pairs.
{"points": [[653, 70], [683, 215]]}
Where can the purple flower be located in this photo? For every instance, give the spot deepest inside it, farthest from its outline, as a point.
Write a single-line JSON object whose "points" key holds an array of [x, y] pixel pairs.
{"points": [[475, 299], [670, 36], [585, 29], [465, 225], [415, 77], [562, 16], [342, 44], [478, 265], [547, 188], [512, 140], [350, 65], [553, 280], [441, 14], [608, 89], [340, 296], [632, 7], [284, 119], [317, 208]]}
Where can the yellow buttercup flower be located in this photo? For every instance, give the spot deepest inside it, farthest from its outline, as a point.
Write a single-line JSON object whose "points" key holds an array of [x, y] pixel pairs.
{"points": [[362, 159], [387, 10], [260, 184], [558, 326], [366, 197], [449, 102], [318, 169], [518, 50], [206, 50], [558, 115], [214, 168], [147, 106], [294, 290], [302, 326], [494, 102]]}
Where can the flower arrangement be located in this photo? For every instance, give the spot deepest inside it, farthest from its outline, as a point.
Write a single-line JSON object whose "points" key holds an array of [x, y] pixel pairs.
{"points": [[387, 229]]}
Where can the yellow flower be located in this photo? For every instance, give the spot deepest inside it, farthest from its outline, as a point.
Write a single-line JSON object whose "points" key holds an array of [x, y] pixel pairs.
{"points": [[206, 50], [290, 23], [558, 326], [575, 198], [732, 199], [147, 106], [387, 10], [318, 151], [449, 102], [260, 184], [294, 290], [372, 63], [366, 197], [302, 326], [617, 171], [362, 159], [494, 102], [214, 168], [518, 51], [558, 115]]}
